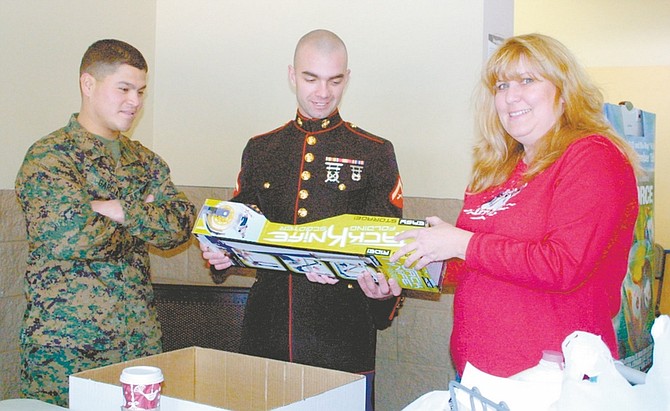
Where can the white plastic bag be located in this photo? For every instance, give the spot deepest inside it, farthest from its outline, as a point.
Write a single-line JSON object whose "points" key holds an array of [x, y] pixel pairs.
{"points": [[654, 394], [518, 395], [592, 383], [431, 401]]}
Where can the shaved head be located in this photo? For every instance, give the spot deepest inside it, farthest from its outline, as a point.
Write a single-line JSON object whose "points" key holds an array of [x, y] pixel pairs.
{"points": [[321, 41], [319, 73]]}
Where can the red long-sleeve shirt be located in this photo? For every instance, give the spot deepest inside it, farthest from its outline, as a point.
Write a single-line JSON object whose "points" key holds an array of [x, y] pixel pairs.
{"points": [[547, 258]]}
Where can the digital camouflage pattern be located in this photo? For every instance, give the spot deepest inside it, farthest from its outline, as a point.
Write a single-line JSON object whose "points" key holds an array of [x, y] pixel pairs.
{"points": [[43, 366], [88, 283]]}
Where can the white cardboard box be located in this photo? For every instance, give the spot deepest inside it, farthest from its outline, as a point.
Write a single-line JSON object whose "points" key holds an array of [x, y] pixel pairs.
{"points": [[201, 379]]}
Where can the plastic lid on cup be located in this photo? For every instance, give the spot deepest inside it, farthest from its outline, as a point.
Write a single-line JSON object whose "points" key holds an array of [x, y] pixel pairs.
{"points": [[141, 375]]}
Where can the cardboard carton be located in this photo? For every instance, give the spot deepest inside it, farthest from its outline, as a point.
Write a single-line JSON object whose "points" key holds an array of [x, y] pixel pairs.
{"points": [[344, 246], [200, 379]]}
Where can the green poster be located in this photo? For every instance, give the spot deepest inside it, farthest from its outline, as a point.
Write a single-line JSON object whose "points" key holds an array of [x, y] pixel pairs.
{"points": [[636, 316]]}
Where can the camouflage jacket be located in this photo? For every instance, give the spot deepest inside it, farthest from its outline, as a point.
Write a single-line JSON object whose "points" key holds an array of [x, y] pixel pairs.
{"points": [[88, 280]]}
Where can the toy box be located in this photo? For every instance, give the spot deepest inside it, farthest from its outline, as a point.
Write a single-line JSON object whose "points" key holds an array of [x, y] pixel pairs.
{"points": [[344, 246], [201, 379]]}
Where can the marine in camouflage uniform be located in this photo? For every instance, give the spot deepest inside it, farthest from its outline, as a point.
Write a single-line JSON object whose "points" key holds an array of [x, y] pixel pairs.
{"points": [[88, 289]]}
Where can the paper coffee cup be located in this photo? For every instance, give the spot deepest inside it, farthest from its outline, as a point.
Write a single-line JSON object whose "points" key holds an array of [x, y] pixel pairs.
{"points": [[141, 388]]}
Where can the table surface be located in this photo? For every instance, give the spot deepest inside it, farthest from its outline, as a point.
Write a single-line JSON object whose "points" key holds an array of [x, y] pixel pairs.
{"points": [[23, 404]]}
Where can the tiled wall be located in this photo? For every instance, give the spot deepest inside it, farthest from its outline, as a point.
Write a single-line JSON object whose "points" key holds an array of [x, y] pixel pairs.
{"points": [[13, 253], [411, 355]]}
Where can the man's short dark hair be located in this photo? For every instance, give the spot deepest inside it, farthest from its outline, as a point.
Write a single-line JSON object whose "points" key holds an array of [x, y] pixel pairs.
{"points": [[105, 56]]}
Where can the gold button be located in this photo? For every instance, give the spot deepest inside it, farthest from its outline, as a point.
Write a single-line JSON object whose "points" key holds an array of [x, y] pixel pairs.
{"points": [[299, 121], [305, 175], [303, 194], [309, 157], [342, 187], [352, 125], [311, 140], [325, 123], [302, 212], [266, 184], [350, 286]]}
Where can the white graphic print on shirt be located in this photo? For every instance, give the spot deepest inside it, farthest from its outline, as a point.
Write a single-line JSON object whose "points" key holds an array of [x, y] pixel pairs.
{"points": [[492, 207]]}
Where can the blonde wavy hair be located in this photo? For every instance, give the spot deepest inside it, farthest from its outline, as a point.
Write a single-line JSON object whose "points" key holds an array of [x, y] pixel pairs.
{"points": [[496, 153]]}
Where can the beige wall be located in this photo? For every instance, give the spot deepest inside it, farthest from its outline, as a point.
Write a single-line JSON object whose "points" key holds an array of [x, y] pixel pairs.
{"points": [[413, 68], [41, 44], [218, 75], [624, 46]]}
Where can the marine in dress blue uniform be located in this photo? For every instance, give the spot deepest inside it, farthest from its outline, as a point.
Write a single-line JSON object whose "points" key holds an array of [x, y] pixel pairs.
{"points": [[314, 167], [308, 170]]}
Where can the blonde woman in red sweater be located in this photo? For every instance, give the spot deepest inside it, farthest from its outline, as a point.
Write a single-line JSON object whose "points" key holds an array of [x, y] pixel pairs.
{"points": [[541, 245]]}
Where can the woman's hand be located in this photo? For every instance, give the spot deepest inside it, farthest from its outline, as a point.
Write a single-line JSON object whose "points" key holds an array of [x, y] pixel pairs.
{"points": [[438, 242]]}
